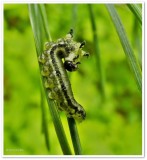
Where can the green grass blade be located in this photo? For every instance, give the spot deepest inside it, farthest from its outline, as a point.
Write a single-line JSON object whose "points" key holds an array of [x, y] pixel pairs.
{"points": [[136, 11], [97, 51], [74, 17], [74, 136], [126, 45], [137, 43], [45, 22], [59, 127], [40, 36], [35, 20], [44, 119]]}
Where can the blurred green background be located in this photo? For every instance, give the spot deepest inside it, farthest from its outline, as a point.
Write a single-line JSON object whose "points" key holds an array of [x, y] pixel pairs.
{"points": [[113, 125]]}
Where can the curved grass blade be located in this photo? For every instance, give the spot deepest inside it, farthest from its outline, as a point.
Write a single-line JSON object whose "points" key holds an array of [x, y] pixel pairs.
{"points": [[126, 45], [74, 136], [40, 36], [136, 11], [136, 40]]}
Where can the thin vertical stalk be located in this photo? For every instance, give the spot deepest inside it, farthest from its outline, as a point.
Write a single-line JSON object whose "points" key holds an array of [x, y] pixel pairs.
{"points": [[97, 51], [44, 119], [74, 136], [74, 17]]}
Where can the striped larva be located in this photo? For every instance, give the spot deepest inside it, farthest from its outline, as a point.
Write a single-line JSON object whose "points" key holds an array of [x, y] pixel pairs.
{"points": [[64, 54]]}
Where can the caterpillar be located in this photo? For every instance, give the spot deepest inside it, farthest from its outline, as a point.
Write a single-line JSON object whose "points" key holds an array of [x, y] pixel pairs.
{"points": [[59, 56]]}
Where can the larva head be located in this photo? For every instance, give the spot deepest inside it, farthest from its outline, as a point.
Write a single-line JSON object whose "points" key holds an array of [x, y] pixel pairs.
{"points": [[70, 66]]}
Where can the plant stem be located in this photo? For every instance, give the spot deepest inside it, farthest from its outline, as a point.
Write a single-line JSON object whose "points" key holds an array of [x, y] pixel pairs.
{"points": [[136, 11], [74, 136], [126, 45], [44, 119], [45, 22], [38, 30], [97, 51], [58, 127]]}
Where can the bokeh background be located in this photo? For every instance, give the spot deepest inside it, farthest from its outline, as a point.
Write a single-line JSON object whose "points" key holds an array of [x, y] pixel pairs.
{"points": [[114, 124]]}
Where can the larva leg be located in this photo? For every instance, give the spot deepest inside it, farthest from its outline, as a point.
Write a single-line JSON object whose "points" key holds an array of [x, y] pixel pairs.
{"points": [[45, 71], [42, 59], [48, 45], [55, 93], [49, 83], [86, 54], [51, 95], [82, 44], [60, 106]]}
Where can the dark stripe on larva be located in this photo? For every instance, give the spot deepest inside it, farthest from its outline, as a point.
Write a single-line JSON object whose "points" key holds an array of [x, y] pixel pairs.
{"points": [[54, 71], [69, 99]]}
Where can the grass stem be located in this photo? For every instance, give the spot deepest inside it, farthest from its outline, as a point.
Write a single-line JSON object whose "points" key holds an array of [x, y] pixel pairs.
{"points": [[126, 45], [97, 51]]}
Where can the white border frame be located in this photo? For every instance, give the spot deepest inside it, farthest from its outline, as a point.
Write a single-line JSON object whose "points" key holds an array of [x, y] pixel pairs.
{"points": [[143, 80]]}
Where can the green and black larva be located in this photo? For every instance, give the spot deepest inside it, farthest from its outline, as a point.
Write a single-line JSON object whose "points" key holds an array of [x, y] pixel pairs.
{"points": [[64, 54]]}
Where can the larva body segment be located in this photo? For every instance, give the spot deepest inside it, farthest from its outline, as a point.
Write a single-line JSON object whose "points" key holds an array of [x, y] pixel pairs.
{"points": [[65, 54]]}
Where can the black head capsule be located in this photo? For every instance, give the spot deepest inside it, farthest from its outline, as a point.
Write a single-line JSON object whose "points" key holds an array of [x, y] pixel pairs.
{"points": [[68, 65]]}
